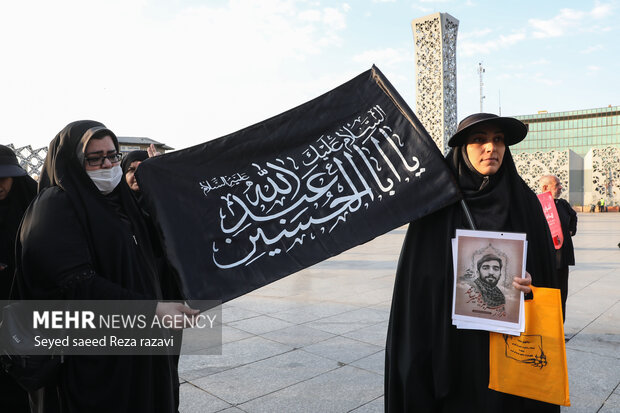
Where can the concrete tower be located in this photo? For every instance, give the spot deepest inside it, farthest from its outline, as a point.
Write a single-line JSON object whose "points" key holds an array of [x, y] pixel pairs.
{"points": [[435, 66]]}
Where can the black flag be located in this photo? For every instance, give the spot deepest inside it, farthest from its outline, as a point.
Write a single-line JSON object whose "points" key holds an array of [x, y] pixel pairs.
{"points": [[249, 208]]}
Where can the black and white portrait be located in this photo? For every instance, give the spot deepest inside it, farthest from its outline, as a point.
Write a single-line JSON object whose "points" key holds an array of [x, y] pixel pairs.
{"points": [[488, 274], [485, 266]]}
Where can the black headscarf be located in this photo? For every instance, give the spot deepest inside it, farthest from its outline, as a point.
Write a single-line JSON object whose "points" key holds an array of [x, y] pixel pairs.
{"points": [[132, 157], [69, 203], [76, 243], [431, 365], [488, 196]]}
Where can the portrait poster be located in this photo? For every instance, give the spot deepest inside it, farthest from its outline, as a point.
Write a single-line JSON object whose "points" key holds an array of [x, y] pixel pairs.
{"points": [[485, 264]]}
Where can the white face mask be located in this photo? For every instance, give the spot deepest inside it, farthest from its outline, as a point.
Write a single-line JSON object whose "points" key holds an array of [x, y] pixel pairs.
{"points": [[106, 179]]}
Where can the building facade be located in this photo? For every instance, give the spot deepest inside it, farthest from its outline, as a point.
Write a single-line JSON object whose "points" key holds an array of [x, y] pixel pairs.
{"points": [[130, 143], [30, 159], [581, 147], [579, 130], [565, 164]]}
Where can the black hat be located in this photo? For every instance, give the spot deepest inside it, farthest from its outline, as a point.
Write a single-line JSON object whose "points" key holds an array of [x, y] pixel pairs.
{"points": [[9, 166], [514, 129]]}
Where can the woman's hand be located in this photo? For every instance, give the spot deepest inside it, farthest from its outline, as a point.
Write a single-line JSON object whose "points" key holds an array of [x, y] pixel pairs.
{"points": [[175, 315], [152, 151], [523, 284]]}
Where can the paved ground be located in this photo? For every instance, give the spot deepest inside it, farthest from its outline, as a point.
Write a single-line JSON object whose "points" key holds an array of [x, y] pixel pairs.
{"points": [[314, 341]]}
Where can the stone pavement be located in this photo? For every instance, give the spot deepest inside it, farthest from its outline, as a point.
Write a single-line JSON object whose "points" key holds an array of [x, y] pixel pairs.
{"points": [[315, 341]]}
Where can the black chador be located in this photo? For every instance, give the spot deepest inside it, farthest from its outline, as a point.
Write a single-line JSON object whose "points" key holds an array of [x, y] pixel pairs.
{"points": [[430, 365], [77, 243]]}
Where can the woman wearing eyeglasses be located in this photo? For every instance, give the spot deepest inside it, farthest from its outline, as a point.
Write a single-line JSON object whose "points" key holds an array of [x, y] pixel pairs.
{"points": [[101, 159], [83, 238]]}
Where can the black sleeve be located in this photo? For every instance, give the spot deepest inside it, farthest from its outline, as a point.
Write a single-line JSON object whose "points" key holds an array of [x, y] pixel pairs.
{"points": [[53, 255], [572, 225]]}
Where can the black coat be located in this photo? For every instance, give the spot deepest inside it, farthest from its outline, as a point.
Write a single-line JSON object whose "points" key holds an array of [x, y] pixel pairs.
{"points": [[12, 397], [568, 220], [430, 365], [12, 209]]}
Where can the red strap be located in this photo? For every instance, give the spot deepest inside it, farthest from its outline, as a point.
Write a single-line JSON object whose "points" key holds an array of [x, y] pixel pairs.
{"points": [[553, 219]]}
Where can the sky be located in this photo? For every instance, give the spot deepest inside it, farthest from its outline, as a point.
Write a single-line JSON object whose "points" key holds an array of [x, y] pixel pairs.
{"points": [[183, 72]]}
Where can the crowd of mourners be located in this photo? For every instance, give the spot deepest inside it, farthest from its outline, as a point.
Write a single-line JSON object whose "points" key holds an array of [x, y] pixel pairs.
{"points": [[82, 233]]}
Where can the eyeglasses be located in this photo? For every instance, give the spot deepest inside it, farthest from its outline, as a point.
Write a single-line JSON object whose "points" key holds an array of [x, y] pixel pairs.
{"points": [[100, 160]]}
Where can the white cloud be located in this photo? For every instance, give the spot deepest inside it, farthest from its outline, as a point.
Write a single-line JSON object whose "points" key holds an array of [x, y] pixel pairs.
{"points": [[601, 10], [569, 20], [543, 79], [592, 49], [310, 15], [596, 28], [334, 19], [535, 70], [566, 21], [421, 9], [383, 1], [592, 69], [474, 34], [179, 75], [384, 57], [470, 48], [557, 25], [510, 76]]}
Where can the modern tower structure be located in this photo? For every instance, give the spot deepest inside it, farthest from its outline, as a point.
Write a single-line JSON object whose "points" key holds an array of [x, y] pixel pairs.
{"points": [[435, 66]]}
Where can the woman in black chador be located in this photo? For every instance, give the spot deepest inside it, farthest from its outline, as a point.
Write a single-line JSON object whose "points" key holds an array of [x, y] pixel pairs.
{"points": [[17, 190], [430, 365], [129, 164], [168, 281], [84, 238], [169, 285]]}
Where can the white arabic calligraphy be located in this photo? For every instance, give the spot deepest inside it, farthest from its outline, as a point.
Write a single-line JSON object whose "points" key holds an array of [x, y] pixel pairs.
{"points": [[301, 195], [221, 181]]}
